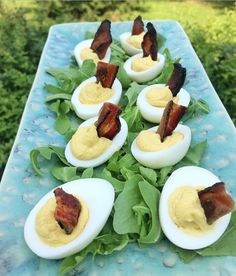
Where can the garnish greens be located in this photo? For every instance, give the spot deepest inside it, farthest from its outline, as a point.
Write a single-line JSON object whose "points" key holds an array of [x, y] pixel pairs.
{"points": [[135, 213]]}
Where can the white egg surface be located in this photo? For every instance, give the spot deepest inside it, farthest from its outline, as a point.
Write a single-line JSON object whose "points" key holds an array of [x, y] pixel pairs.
{"points": [[129, 49], [165, 157], [146, 75], [87, 111], [99, 197], [117, 143], [86, 44], [195, 177], [152, 113]]}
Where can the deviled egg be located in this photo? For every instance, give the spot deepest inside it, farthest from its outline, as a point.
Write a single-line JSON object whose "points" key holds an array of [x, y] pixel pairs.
{"points": [[149, 64], [97, 139], [131, 41], [166, 144], [184, 217], [96, 49], [90, 95], [46, 237], [152, 99]]}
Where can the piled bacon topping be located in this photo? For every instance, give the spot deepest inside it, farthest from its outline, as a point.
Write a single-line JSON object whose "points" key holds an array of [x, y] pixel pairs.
{"points": [[108, 123], [216, 202], [177, 78], [149, 44], [138, 26], [67, 210], [170, 119], [106, 74], [102, 39]]}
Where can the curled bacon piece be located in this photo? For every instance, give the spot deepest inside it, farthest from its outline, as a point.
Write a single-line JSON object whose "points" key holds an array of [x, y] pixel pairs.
{"points": [[216, 202], [67, 210], [149, 44], [177, 78], [108, 123], [106, 73], [102, 39], [170, 119], [138, 26]]}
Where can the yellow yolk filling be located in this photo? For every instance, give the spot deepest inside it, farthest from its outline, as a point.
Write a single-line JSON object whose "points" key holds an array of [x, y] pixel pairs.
{"points": [[94, 93], [86, 145], [150, 141], [48, 228], [186, 211], [87, 53], [141, 64], [136, 40], [160, 96]]}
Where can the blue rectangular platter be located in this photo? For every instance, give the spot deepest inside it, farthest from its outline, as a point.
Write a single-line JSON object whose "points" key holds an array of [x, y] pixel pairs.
{"points": [[21, 188]]}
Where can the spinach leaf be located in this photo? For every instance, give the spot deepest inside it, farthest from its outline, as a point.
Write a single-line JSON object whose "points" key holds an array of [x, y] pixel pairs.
{"points": [[65, 174]]}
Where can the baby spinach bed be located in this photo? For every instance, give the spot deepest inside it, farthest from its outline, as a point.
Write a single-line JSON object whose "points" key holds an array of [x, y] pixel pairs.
{"points": [[21, 188]]}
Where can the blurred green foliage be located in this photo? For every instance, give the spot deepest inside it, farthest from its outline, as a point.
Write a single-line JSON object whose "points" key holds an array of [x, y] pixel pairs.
{"points": [[24, 26]]}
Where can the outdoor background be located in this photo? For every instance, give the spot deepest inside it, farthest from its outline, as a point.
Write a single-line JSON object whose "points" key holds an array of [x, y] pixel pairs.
{"points": [[24, 24]]}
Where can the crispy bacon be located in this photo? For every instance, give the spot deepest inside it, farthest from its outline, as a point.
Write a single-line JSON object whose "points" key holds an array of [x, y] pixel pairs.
{"points": [[149, 44], [108, 123], [216, 202], [102, 39], [138, 26], [170, 119], [67, 210], [177, 78], [106, 73]]}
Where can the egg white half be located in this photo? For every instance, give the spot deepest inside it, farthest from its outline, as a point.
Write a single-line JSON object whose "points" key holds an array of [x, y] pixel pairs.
{"points": [[146, 75], [99, 196], [117, 143], [166, 157], [189, 176], [86, 44], [152, 113], [129, 49], [87, 111]]}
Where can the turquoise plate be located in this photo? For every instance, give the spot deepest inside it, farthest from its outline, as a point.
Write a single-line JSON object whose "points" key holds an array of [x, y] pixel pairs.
{"points": [[21, 189]]}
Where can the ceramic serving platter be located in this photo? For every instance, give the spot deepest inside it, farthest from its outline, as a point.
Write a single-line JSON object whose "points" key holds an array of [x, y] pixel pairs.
{"points": [[21, 188]]}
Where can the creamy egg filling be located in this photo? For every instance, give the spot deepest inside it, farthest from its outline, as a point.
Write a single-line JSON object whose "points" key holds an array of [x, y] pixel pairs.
{"points": [[160, 96], [87, 53], [49, 230], [141, 64], [93, 93], [150, 141], [86, 145], [186, 211], [136, 40]]}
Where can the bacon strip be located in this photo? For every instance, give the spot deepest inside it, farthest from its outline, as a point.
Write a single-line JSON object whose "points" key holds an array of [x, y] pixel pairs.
{"points": [[106, 73], [108, 123], [102, 39], [67, 210], [215, 202], [177, 78], [149, 44], [138, 26], [170, 119]]}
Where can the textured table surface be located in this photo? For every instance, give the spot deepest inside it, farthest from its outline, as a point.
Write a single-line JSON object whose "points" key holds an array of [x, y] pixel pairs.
{"points": [[21, 189]]}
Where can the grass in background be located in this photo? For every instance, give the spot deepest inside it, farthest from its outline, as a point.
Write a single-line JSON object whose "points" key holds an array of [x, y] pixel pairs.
{"points": [[24, 26]]}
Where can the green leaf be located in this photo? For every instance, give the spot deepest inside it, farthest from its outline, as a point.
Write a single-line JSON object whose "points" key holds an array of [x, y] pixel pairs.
{"points": [[87, 173], [34, 161], [163, 174], [194, 155], [122, 75], [58, 96], [149, 175], [65, 174], [60, 152], [124, 220], [195, 108], [62, 124], [117, 184], [132, 117], [53, 89], [133, 92], [185, 255], [151, 197]]}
